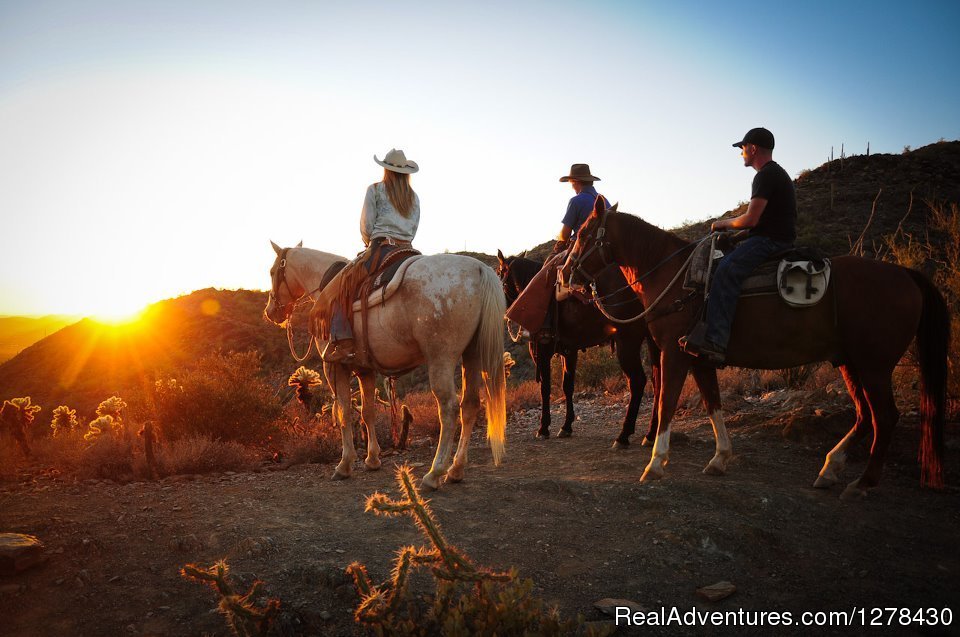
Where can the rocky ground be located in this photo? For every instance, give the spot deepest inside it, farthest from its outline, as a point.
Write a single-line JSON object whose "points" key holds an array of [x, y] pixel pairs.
{"points": [[570, 514]]}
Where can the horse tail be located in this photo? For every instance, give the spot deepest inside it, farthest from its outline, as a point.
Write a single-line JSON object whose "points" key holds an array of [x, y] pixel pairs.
{"points": [[933, 341], [490, 347]]}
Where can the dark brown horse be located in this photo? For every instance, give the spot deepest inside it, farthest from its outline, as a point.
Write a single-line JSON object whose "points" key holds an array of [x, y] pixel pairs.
{"points": [[871, 314], [580, 326]]}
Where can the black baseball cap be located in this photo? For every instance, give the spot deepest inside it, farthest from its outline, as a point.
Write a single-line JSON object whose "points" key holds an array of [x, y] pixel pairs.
{"points": [[759, 136]]}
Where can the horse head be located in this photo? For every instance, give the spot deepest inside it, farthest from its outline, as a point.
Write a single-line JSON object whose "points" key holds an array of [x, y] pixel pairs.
{"points": [[588, 256], [515, 273], [284, 290]]}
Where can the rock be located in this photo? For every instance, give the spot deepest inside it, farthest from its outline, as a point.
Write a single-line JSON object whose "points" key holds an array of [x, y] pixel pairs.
{"points": [[609, 606], [18, 552], [716, 592]]}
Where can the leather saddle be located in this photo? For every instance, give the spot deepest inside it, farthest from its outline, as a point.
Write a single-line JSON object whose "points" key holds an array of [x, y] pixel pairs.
{"points": [[800, 275]]}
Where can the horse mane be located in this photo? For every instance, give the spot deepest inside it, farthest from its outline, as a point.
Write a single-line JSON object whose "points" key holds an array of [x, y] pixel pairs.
{"points": [[645, 239]]}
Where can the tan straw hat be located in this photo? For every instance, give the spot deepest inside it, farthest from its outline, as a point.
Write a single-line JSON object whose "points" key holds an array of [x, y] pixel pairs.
{"points": [[396, 161], [579, 172]]}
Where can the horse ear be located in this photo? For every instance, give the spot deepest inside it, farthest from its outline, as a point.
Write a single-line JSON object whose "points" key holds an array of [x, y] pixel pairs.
{"points": [[613, 208], [276, 248], [300, 245], [524, 255], [500, 257], [600, 205]]}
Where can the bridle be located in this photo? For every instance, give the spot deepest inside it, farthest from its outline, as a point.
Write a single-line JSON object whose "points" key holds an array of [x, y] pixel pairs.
{"points": [[601, 245], [291, 306], [503, 272], [281, 278]]}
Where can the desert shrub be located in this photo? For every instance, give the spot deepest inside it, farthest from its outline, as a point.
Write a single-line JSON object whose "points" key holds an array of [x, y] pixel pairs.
{"points": [[101, 427], [468, 599], [203, 454], [223, 398], [939, 253], [426, 416], [524, 395], [106, 456], [315, 440], [64, 420]]}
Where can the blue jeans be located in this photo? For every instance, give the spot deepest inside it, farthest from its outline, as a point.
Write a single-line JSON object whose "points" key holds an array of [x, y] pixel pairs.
{"points": [[340, 328], [731, 271]]}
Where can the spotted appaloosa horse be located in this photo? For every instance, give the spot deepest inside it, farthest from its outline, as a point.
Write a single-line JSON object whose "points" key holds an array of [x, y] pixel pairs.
{"points": [[448, 308], [871, 314]]}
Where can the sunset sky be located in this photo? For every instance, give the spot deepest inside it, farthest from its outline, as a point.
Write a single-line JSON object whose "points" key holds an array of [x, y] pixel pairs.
{"points": [[148, 149]]}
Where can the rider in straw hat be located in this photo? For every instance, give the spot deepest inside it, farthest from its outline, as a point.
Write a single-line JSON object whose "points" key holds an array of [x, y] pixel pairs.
{"points": [[389, 219]]}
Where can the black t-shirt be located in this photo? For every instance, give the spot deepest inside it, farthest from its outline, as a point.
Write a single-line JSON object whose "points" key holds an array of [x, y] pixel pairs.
{"points": [[779, 218]]}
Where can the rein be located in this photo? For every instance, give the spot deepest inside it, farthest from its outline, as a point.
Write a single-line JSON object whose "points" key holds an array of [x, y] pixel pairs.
{"points": [[600, 245]]}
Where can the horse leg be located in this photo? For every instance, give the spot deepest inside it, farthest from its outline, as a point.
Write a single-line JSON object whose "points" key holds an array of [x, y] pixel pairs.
{"points": [[542, 355], [631, 362], [469, 409], [368, 414], [569, 376], [445, 391], [706, 379], [674, 365], [878, 388], [339, 378], [837, 457], [657, 379]]}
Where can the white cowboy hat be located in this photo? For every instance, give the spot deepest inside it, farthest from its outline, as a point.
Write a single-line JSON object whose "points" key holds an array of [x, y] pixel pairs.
{"points": [[396, 161]]}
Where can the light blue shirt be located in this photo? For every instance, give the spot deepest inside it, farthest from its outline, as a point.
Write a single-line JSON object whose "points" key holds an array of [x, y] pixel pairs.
{"points": [[380, 219]]}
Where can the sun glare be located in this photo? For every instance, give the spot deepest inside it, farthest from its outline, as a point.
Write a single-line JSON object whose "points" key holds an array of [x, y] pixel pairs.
{"points": [[119, 315]]}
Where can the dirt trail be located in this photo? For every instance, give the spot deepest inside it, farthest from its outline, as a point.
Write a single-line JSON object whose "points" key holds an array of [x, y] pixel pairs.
{"points": [[570, 514]]}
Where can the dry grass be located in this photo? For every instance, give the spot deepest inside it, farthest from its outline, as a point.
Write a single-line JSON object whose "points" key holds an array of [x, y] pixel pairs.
{"points": [[202, 454]]}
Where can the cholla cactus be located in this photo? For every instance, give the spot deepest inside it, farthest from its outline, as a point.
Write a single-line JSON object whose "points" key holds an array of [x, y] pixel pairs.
{"points": [[304, 379], [508, 363], [244, 618], [64, 420], [446, 561], [16, 415], [104, 425], [112, 407]]}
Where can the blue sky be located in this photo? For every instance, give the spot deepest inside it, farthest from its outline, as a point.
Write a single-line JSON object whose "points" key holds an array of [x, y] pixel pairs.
{"points": [[148, 149]]}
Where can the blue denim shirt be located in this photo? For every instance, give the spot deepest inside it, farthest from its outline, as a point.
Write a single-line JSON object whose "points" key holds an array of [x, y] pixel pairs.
{"points": [[579, 208]]}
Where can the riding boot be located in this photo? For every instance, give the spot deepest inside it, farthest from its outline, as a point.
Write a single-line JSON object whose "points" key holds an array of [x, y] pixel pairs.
{"points": [[339, 351]]}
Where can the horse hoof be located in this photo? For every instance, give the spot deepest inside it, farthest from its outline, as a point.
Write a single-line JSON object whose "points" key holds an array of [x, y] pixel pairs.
{"points": [[372, 466], [455, 474], [714, 469], [649, 475], [430, 483], [853, 492], [619, 444], [823, 482], [565, 433], [339, 476], [647, 442], [542, 435]]}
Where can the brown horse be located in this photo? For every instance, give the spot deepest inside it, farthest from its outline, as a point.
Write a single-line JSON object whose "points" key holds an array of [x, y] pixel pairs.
{"points": [[865, 324]]}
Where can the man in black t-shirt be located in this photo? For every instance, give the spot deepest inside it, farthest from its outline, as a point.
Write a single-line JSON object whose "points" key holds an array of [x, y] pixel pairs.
{"points": [[771, 218]]}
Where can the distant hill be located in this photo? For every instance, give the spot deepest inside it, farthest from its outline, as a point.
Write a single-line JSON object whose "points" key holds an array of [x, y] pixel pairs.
{"points": [[835, 200], [85, 362], [19, 332]]}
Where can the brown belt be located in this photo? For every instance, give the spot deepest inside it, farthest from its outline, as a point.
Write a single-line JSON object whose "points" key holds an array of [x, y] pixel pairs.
{"points": [[390, 241]]}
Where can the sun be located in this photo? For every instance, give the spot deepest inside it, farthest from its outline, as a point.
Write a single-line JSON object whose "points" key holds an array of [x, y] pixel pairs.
{"points": [[120, 312]]}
